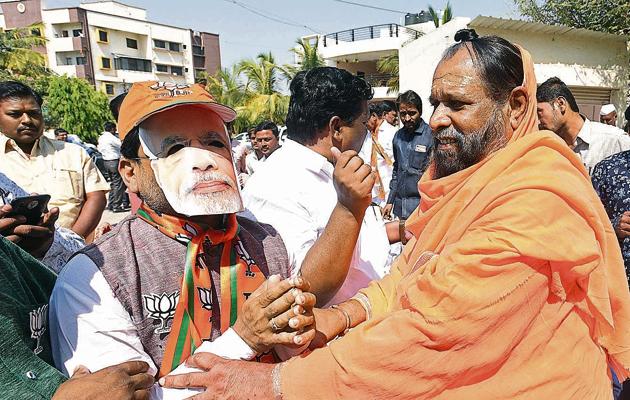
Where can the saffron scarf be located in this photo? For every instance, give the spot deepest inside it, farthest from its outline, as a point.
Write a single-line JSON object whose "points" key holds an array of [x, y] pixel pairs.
{"points": [[240, 276], [513, 287]]}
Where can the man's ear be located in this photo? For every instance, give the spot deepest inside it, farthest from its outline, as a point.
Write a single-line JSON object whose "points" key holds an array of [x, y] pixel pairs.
{"points": [[334, 125], [128, 170], [562, 104], [518, 106]]}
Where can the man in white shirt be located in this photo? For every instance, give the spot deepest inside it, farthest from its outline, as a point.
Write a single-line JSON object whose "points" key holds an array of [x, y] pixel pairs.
{"points": [[184, 273], [591, 141], [378, 148], [331, 239], [608, 115], [109, 147]]}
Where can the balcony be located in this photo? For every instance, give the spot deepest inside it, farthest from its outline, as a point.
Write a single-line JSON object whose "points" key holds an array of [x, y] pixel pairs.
{"points": [[370, 33], [62, 44], [377, 79], [366, 43]]}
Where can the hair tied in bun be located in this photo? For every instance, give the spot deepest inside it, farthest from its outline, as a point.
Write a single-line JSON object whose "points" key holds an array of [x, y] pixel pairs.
{"points": [[466, 35]]}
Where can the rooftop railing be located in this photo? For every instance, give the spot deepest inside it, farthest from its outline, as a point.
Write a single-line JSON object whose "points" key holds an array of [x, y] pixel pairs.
{"points": [[371, 32]]}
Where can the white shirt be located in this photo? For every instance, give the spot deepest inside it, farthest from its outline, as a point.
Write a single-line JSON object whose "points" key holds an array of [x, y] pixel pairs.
{"points": [[109, 146], [89, 326], [293, 192], [252, 162], [596, 141], [386, 133]]}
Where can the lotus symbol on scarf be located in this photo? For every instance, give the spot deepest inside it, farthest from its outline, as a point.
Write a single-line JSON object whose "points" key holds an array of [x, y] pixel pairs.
{"points": [[205, 298], [161, 307], [38, 318]]}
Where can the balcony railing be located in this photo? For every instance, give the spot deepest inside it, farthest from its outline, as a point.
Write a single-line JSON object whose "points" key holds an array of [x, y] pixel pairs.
{"points": [[377, 79], [370, 32]]}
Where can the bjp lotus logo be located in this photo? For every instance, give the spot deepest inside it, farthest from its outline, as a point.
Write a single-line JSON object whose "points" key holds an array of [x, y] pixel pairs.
{"points": [[205, 298], [161, 307], [38, 318]]}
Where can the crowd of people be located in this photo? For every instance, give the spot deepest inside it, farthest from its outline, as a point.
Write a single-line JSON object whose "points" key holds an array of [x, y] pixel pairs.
{"points": [[367, 254]]}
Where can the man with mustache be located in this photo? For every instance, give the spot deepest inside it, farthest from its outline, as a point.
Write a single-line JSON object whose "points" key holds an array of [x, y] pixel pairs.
{"points": [[412, 147], [592, 141], [185, 273], [512, 286], [62, 170]]}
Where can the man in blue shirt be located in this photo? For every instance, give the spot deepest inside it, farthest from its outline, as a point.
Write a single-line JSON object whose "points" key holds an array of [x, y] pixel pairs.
{"points": [[412, 149]]}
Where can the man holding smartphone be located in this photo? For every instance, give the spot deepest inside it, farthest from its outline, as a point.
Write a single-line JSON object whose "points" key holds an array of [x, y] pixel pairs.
{"points": [[52, 246], [38, 164]]}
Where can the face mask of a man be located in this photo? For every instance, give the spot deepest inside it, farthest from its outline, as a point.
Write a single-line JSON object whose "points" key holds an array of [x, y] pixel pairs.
{"points": [[195, 181]]}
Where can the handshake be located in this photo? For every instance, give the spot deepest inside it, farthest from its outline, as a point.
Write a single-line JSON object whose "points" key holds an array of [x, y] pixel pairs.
{"points": [[279, 312]]}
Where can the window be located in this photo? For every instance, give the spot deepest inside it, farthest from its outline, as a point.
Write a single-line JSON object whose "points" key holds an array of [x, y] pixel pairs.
{"points": [[77, 32], [81, 60], [161, 68], [103, 36], [132, 43], [173, 46], [109, 89], [160, 44], [133, 64], [68, 61], [106, 63], [177, 71], [64, 33]]}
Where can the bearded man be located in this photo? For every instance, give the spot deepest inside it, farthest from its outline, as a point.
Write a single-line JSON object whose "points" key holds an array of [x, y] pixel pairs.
{"points": [[512, 286], [185, 273]]}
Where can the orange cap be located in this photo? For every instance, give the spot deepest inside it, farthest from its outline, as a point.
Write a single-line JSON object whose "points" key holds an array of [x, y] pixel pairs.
{"points": [[148, 98]]}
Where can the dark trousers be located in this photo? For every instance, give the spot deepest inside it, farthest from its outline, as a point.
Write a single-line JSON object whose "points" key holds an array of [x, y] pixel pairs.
{"points": [[117, 196]]}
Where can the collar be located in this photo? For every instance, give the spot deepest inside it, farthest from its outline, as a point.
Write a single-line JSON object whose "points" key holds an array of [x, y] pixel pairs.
{"points": [[307, 158], [7, 144], [585, 132]]}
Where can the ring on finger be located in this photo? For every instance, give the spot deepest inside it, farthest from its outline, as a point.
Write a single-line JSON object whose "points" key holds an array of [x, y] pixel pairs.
{"points": [[274, 326]]}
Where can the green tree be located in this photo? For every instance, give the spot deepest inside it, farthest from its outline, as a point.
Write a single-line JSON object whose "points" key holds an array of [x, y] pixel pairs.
{"points": [[263, 100], [76, 106], [226, 88], [308, 54], [611, 16], [389, 65], [17, 57], [447, 15]]}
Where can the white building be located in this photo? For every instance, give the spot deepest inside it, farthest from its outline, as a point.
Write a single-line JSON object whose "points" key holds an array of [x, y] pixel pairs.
{"points": [[593, 64], [113, 45]]}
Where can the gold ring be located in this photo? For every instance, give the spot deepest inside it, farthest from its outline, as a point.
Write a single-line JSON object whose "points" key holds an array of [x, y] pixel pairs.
{"points": [[274, 326]]}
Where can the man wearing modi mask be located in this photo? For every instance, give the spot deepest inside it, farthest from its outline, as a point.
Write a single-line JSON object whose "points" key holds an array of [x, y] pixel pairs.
{"points": [[185, 274], [512, 286]]}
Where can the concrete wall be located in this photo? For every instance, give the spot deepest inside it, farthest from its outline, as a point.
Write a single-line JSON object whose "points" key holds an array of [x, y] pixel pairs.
{"points": [[13, 18], [115, 8], [578, 61]]}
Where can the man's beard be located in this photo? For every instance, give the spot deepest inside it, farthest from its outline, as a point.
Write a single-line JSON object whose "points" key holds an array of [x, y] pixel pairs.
{"points": [[470, 148], [186, 201]]}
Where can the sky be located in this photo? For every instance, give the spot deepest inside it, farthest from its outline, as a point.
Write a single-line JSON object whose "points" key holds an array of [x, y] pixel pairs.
{"points": [[245, 34]]}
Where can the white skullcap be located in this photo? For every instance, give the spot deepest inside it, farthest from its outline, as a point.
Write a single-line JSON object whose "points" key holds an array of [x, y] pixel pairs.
{"points": [[607, 109]]}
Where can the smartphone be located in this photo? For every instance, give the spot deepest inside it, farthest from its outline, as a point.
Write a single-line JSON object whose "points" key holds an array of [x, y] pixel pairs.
{"points": [[31, 207]]}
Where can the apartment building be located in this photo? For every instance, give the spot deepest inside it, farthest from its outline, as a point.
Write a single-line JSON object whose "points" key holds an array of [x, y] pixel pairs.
{"points": [[113, 45]]}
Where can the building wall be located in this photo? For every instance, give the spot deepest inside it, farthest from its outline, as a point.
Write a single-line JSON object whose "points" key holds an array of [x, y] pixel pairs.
{"points": [[13, 18], [579, 62], [212, 50]]}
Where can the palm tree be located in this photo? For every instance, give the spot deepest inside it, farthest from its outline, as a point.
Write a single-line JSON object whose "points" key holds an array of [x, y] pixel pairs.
{"points": [[308, 54], [447, 15], [263, 98], [17, 57], [389, 65], [226, 88]]}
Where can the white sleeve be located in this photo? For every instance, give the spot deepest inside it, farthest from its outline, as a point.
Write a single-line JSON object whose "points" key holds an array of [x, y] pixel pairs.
{"points": [[293, 222], [88, 325]]}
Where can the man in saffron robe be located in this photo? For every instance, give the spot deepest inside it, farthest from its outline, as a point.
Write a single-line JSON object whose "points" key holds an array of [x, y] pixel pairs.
{"points": [[512, 286]]}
